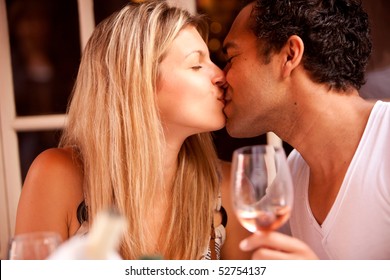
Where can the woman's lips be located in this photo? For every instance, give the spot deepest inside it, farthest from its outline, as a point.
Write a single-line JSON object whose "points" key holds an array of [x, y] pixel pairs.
{"points": [[222, 100]]}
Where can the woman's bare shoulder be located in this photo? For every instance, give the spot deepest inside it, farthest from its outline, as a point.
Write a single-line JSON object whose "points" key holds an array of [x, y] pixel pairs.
{"points": [[51, 192], [64, 158], [55, 167]]}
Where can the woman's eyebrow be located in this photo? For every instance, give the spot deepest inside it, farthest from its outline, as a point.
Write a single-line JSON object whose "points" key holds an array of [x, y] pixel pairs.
{"points": [[199, 52]]}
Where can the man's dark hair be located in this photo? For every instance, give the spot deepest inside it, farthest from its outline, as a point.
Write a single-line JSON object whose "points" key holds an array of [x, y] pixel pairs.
{"points": [[335, 33]]}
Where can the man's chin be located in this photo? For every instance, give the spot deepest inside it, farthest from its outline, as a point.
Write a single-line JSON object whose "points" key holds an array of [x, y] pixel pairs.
{"points": [[237, 131]]}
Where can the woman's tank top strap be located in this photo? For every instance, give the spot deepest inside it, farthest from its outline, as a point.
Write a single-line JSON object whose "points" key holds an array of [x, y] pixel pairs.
{"points": [[82, 212], [218, 234], [224, 216], [82, 217]]}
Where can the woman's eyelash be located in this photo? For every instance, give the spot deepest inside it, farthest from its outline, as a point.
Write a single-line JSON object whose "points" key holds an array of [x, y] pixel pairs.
{"points": [[197, 67]]}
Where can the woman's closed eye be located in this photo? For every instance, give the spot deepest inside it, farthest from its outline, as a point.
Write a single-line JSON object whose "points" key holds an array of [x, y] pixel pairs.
{"points": [[196, 67]]}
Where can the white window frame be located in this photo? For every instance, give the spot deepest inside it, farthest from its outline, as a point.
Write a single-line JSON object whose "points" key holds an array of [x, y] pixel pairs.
{"points": [[10, 124]]}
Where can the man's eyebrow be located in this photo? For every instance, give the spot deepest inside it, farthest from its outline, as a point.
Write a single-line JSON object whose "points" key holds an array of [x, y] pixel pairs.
{"points": [[229, 45]]}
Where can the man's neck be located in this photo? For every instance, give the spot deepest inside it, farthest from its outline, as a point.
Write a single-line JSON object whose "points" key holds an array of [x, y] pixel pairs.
{"points": [[331, 131]]}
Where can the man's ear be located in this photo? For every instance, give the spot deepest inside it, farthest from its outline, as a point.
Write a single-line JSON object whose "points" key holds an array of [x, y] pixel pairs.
{"points": [[293, 52]]}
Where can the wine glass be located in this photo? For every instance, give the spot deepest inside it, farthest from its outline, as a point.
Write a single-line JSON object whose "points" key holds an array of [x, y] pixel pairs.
{"points": [[34, 245], [262, 187]]}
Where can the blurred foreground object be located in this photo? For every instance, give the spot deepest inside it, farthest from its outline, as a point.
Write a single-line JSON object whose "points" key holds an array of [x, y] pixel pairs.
{"points": [[100, 243]]}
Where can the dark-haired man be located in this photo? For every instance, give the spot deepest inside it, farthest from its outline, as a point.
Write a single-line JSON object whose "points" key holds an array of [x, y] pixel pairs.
{"points": [[295, 68]]}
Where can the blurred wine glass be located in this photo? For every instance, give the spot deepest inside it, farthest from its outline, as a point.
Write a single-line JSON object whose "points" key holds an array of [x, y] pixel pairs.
{"points": [[262, 188], [34, 245]]}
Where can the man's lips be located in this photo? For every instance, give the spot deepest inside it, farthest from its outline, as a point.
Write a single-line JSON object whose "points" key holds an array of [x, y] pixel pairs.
{"points": [[227, 100]]}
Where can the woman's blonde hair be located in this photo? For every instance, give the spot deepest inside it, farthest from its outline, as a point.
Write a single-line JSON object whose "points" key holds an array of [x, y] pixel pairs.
{"points": [[115, 127]]}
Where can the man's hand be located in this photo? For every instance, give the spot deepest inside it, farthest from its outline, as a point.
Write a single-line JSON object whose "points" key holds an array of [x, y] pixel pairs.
{"points": [[276, 246]]}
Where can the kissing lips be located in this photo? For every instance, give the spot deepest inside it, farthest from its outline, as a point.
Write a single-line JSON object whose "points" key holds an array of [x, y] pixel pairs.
{"points": [[227, 102], [222, 100]]}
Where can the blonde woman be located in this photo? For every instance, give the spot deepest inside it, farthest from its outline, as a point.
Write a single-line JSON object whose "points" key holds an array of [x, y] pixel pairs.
{"points": [[137, 138]]}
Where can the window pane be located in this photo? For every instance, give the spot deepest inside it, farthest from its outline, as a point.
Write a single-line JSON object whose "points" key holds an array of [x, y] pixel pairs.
{"points": [[221, 15], [45, 50], [33, 143], [104, 8]]}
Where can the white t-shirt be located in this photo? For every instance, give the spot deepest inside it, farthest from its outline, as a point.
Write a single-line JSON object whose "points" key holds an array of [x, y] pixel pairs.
{"points": [[358, 224]]}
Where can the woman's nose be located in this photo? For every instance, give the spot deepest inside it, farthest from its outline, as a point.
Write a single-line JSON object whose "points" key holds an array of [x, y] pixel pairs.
{"points": [[219, 77]]}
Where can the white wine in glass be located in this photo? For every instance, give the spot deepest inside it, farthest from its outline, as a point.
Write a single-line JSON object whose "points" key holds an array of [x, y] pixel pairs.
{"points": [[34, 245], [262, 187]]}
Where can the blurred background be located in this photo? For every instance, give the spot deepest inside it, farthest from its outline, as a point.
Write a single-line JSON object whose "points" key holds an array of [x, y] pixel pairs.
{"points": [[45, 51], [40, 48]]}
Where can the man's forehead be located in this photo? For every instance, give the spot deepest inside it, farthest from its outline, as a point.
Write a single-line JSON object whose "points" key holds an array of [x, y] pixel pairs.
{"points": [[240, 27]]}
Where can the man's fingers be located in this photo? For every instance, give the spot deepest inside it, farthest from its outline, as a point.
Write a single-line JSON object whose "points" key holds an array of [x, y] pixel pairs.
{"points": [[275, 245], [273, 240]]}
